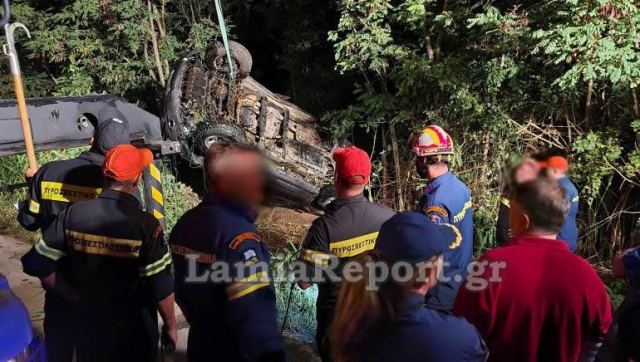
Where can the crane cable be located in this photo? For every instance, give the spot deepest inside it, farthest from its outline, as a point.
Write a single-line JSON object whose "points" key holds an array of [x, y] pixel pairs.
{"points": [[225, 39]]}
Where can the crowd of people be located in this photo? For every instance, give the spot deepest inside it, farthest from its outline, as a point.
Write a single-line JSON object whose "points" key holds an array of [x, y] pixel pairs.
{"points": [[392, 286]]}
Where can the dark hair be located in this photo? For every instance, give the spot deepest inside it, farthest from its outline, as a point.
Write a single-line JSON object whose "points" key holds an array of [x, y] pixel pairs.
{"points": [[544, 201], [111, 183], [219, 150]]}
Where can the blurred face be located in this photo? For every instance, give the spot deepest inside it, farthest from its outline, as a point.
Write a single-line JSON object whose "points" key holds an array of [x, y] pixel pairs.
{"points": [[553, 173], [242, 178], [422, 169], [527, 170]]}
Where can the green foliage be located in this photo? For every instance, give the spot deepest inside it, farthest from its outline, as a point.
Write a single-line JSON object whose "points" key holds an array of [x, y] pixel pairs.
{"points": [[363, 37], [596, 39], [505, 80], [179, 198], [123, 47], [201, 35], [13, 188], [595, 153]]}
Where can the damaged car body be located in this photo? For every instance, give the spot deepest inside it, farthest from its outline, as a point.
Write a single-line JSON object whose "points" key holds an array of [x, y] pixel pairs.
{"points": [[203, 105]]}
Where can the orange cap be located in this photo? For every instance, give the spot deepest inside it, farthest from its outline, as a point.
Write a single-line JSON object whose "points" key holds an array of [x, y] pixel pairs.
{"points": [[126, 162], [557, 162]]}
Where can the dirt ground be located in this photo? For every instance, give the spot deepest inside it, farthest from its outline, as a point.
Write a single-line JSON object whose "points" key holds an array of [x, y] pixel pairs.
{"points": [[279, 226], [275, 223]]}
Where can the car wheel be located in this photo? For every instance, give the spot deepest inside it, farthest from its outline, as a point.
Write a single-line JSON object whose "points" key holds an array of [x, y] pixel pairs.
{"points": [[210, 134], [242, 61]]}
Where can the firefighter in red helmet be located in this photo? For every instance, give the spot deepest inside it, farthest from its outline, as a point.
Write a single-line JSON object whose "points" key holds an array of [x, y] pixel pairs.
{"points": [[445, 200]]}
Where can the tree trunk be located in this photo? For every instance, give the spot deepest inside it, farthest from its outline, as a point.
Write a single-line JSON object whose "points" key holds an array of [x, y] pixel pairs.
{"points": [[429, 48], [634, 102], [485, 159], [384, 185], [396, 165], [156, 49], [587, 104]]}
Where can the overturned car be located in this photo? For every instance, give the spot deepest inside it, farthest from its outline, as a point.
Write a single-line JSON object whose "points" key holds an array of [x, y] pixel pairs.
{"points": [[203, 105]]}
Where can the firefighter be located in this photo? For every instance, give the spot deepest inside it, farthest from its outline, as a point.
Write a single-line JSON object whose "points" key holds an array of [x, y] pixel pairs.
{"points": [[221, 264], [446, 200], [107, 259], [556, 167], [55, 186], [382, 318], [349, 227], [59, 183]]}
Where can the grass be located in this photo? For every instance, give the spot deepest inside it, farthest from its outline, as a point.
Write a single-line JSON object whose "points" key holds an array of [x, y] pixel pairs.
{"points": [[284, 230], [13, 188], [301, 319], [179, 198]]}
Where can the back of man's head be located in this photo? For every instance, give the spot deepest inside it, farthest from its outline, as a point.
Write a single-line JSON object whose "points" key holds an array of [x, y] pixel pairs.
{"points": [[544, 203], [352, 170], [123, 166], [112, 130]]}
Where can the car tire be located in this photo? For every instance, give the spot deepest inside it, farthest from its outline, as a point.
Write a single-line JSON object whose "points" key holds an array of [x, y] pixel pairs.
{"points": [[240, 55], [211, 134]]}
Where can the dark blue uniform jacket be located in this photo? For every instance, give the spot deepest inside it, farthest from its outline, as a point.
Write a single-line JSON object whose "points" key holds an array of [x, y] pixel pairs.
{"points": [[58, 184], [233, 319], [569, 231], [422, 334], [628, 314], [113, 254], [447, 200]]}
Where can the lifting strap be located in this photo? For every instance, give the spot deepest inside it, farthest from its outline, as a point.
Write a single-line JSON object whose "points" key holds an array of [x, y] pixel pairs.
{"points": [[225, 40]]}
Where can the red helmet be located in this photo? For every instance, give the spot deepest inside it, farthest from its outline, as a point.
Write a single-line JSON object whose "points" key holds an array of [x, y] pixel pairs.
{"points": [[431, 141]]}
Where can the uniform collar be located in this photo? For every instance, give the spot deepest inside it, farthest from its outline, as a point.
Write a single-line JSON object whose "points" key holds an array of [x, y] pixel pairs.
{"points": [[119, 196], [433, 184], [94, 158], [409, 304], [339, 202], [233, 206], [535, 241]]}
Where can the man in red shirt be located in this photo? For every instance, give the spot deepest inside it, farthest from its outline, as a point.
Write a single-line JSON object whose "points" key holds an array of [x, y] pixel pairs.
{"points": [[533, 299]]}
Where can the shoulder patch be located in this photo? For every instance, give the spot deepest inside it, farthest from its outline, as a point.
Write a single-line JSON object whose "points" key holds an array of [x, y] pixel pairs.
{"points": [[458, 240], [235, 243], [437, 209], [250, 256]]}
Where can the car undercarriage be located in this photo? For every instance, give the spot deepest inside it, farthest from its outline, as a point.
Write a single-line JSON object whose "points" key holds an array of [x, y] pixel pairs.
{"points": [[203, 105]]}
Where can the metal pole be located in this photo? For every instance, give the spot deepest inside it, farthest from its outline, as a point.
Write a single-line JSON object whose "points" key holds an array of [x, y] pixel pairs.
{"points": [[9, 50]]}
